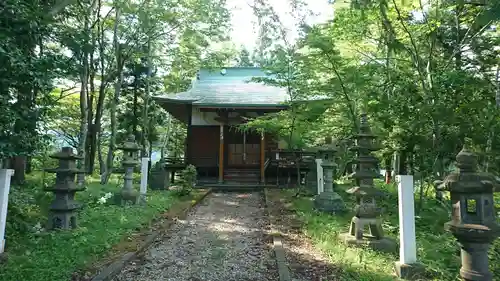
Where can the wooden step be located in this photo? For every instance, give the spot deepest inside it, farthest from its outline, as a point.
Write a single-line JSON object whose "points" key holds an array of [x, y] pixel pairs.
{"points": [[242, 176]]}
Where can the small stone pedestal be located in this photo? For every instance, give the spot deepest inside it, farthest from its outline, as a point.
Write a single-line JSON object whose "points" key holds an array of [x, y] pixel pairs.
{"points": [[366, 212], [329, 201], [409, 271], [63, 210], [128, 194], [473, 216]]}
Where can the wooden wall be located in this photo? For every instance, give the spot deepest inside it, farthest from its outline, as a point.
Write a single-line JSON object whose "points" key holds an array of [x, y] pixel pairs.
{"points": [[204, 146]]}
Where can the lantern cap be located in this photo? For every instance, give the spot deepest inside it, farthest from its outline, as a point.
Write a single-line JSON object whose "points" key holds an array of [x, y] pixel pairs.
{"points": [[66, 153], [466, 179], [130, 144], [329, 146]]}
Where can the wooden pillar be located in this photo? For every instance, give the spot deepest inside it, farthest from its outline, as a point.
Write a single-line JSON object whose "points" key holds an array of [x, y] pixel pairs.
{"points": [[262, 158], [187, 152], [221, 154]]}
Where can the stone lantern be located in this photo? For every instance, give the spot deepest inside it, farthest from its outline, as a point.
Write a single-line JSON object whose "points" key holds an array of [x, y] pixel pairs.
{"points": [[130, 160], [64, 208], [473, 219], [328, 201], [366, 211]]}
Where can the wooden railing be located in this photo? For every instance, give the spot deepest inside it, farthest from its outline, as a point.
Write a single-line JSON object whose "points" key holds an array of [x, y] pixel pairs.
{"points": [[288, 158], [197, 161]]}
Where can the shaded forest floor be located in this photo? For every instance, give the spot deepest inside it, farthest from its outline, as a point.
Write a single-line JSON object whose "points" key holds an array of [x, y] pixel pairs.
{"points": [[315, 252], [106, 231]]}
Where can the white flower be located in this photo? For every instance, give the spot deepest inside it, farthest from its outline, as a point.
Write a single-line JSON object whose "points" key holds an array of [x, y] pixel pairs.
{"points": [[108, 195], [37, 228], [102, 200]]}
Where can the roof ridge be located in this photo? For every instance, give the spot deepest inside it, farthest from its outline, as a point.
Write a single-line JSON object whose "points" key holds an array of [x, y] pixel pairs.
{"points": [[233, 67]]}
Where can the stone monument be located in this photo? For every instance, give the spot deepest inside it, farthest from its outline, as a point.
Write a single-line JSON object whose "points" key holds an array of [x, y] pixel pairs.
{"points": [[366, 211], [64, 208], [130, 148], [160, 176], [311, 180], [473, 220], [329, 201]]}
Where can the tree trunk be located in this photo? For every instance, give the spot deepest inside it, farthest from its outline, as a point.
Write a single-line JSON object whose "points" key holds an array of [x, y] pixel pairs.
{"points": [[102, 164], [167, 138], [89, 160], [83, 120], [29, 166], [145, 121], [114, 102], [99, 111], [403, 160], [84, 99], [135, 106], [18, 164]]}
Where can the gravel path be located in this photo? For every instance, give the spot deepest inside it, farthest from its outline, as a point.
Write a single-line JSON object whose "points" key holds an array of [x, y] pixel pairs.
{"points": [[223, 239], [306, 263]]}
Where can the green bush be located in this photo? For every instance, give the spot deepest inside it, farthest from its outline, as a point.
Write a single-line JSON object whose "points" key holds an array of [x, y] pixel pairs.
{"points": [[187, 181]]}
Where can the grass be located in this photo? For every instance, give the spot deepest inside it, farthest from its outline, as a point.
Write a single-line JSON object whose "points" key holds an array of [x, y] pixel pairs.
{"points": [[57, 255], [437, 249]]}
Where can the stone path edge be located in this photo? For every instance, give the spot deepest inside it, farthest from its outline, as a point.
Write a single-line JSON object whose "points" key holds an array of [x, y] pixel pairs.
{"points": [[114, 268], [279, 251]]}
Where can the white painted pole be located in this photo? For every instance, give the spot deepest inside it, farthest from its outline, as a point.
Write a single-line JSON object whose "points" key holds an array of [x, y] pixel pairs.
{"points": [[408, 247], [319, 171], [144, 175], [5, 175]]}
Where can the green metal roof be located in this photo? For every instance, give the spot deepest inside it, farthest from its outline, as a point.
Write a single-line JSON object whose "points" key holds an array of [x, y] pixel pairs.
{"points": [[232, 88], [229, 87]]}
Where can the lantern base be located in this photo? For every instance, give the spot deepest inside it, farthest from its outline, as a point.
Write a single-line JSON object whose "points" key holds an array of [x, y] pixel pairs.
{"points": [[414, 271], [475, 261], [382, 245], [129, 196], [329, 202]]}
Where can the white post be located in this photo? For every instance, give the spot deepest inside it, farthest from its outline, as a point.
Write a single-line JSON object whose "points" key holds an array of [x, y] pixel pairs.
{"points": [[144, 176], [5, 175], [319, 171], [407, 238]]}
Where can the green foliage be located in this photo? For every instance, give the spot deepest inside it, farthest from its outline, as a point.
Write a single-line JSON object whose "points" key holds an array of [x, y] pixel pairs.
{"points": [[405, 67], [24, 80], [38, 255], [187, 181]]}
